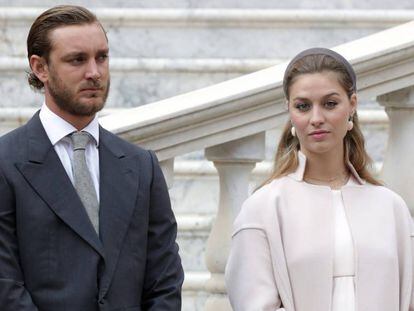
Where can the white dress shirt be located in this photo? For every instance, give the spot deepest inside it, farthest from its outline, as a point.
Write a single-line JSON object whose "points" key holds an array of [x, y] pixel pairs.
{"points": [[57, 129]]}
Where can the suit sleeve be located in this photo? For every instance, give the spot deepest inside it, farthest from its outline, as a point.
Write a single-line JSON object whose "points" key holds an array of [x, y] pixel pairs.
{"points": [[249, 274], [164, 274], [13, 294]]}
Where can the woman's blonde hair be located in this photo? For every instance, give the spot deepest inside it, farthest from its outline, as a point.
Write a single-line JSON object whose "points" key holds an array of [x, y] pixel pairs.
{"points": [[286, 158]]}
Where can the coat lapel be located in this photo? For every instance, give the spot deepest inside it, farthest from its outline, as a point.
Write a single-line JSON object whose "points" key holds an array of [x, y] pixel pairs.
{"points": [[46, 174], [118, 191]]}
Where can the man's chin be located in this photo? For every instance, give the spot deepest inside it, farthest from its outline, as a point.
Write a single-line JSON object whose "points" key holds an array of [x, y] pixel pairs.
{"points": [[88, 107]]}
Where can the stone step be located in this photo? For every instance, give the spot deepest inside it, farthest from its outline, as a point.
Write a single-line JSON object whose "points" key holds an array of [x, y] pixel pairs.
{"points": [[193, 231], [194, 294], [214, 33], [247, 4], [135, 81], [159, 53]]}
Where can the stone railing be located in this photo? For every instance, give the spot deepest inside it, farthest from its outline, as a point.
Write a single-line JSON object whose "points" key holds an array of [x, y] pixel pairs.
{"points": [[228, 121]]}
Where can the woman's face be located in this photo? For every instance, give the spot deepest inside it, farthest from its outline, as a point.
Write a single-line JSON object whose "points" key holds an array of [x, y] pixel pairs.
{"points": [[319, 109]]}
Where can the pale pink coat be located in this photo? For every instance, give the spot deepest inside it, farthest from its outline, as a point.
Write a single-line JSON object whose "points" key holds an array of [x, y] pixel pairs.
{"points": [[283, 243]]}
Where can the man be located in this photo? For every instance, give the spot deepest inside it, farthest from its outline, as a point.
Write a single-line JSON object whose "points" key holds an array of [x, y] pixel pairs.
{"points": [[85, 217]]}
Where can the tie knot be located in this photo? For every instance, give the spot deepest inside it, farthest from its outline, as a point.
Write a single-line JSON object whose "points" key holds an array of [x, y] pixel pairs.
{"points": [[79, 140]]}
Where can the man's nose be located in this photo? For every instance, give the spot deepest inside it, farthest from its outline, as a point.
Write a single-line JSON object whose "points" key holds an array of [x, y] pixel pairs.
{"points": [[92, 70]]}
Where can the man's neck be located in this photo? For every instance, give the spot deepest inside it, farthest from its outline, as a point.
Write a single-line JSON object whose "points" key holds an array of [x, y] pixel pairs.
{"points": [[79, 122]]}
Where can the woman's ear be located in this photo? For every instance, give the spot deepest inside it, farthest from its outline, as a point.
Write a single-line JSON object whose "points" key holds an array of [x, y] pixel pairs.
{"points": [[39, 67], [354, 103]]}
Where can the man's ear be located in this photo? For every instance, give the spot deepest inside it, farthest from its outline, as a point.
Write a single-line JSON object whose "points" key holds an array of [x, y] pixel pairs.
{"points": [[39, 67]]}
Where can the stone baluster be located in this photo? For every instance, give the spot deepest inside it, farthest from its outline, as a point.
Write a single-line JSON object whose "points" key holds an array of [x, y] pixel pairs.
{"points": [[398, 168], [234, 162], [167, 167]]}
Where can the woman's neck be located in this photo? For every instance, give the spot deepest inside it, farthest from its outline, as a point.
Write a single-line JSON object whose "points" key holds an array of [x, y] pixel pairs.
{"points": [[326, 169]]}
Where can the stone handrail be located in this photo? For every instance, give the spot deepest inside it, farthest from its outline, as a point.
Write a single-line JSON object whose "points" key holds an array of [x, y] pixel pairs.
{"points": [[384, 62]]}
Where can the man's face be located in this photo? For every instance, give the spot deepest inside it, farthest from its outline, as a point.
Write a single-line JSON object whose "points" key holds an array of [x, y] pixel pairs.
{"points": [[78, 69]]}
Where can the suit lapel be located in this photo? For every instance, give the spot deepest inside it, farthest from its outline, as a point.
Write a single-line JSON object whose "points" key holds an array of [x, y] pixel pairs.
{"points": [[118, 192], [46, 174]]}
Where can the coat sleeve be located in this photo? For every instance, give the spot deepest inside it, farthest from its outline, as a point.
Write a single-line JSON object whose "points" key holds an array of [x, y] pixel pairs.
{"points": [[164, 274], [13, 294], [249, 273]]}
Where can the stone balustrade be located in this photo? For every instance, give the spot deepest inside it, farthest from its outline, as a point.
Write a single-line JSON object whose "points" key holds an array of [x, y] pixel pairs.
{"points": [[228, 120], [398, 168]]}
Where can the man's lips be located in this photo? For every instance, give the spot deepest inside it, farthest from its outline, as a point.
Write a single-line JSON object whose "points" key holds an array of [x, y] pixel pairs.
{"points": [[92, 89]]}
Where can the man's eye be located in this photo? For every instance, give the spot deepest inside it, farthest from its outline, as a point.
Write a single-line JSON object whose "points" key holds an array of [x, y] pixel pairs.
{"points": [[102, 57], [77, 60], [302, 106]]}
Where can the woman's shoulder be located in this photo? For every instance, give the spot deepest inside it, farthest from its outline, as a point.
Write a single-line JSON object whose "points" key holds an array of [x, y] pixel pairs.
{"points": [[266, 192], [385, 193], [260, 207], [387, 197]]}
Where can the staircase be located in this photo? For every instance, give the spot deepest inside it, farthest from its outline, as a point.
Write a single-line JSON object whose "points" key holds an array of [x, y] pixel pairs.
{"points": [[166, 48]]}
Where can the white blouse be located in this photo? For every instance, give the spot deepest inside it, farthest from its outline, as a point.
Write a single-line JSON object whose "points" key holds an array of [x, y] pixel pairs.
{"points": [[343, 297]]}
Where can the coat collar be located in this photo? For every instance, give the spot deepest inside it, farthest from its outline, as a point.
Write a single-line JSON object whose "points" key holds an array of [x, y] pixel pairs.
{"points": [[119, 183], [46, 174], [300, 170]]}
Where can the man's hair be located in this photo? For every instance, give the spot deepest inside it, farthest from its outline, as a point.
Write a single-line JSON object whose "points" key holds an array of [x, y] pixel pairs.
{"points": [[38, 40]]}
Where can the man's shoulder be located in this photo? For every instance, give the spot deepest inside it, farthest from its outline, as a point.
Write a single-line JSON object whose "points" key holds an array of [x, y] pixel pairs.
{"points": [[110, 139], [12, 140]]}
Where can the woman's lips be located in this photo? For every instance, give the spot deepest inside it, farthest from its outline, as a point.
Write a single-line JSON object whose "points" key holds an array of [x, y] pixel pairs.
{"points": [[319, 135]]}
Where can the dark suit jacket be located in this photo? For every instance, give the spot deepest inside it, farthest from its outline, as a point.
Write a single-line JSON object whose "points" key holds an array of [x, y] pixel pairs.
{"points": [[50, 256]]}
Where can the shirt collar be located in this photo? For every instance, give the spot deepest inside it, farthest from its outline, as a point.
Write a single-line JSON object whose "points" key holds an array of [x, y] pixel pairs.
{"points": [[300, 171], [57, 128]]}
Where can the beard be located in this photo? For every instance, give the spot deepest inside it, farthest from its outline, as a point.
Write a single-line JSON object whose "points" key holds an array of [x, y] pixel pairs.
{"points": [[65, 98]]}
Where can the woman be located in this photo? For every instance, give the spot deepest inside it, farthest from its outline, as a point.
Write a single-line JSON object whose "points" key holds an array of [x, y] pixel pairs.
{"points": [[322, 234]]}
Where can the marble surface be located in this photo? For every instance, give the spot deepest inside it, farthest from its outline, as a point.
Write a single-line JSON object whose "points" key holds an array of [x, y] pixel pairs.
{"points": [[203, 42], [129, 89], [320, 4]]}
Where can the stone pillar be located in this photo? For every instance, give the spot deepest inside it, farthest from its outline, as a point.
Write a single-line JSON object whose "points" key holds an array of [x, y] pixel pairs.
{"points": [[167, 167], [234, 162], [398, 168]]}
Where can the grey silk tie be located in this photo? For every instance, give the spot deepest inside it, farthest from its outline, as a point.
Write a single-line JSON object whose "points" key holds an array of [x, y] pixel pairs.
{"points": [[82, 178]]}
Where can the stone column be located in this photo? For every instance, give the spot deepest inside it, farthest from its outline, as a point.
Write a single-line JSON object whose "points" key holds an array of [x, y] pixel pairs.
{"points": [[398, 168], [234, 162]]}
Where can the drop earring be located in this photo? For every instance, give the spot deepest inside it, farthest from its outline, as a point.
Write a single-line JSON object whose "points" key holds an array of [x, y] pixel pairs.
{"points": [[293, 131], [350, 123]]}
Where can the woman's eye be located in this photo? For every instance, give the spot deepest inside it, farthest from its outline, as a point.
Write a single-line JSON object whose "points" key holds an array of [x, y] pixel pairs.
{"points": [[331, 104], [302, 106]]}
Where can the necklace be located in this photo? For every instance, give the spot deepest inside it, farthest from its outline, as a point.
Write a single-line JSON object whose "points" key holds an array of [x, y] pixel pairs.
{"points": [[336, 181]]}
